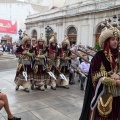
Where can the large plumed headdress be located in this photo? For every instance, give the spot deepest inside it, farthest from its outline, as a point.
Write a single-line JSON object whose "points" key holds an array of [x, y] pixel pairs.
{"points": [[41, 39], [66, 41], [53, 39], [108, 32], [25, 39]]}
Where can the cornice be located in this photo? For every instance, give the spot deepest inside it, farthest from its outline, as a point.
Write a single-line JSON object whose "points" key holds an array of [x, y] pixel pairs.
{"points": [[74, 10]]}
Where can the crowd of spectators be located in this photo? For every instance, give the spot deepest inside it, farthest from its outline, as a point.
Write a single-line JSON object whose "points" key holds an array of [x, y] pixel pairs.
{"points": [[81, 67], [8, 47]]}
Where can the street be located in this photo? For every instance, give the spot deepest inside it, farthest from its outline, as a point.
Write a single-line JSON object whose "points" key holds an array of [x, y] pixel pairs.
{"points": [[50, 104]]}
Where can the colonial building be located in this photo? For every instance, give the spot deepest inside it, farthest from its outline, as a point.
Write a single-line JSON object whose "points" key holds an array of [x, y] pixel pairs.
{"points": [[81, 21]]}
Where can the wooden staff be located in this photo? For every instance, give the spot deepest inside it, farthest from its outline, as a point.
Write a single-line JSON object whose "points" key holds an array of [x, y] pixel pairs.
{"points": [[91, 48], [80, 56], [61, 74], [85, 52], [78, 72], [47, 70]]}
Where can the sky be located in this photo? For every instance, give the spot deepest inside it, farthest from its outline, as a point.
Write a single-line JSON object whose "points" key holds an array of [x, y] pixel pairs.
{"points": [[49, 3]]}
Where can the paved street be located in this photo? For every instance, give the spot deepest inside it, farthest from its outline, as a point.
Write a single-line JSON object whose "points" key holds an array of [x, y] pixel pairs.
{"points": [[7, 61], [60, 104], [6, 55]]}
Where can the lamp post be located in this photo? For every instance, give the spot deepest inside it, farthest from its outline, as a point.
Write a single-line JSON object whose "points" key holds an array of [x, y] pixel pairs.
{"points": [[20, 34], [47, 31], [116, 22]]}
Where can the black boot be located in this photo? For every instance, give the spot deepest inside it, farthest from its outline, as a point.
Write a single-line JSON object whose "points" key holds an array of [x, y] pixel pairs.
{"points": [[81, 87], [32, 87], [73, 82], [45, 86], [70, 80]]}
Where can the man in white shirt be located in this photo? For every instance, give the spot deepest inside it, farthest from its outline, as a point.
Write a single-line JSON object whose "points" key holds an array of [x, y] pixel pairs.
{"points": [[84, 69]]}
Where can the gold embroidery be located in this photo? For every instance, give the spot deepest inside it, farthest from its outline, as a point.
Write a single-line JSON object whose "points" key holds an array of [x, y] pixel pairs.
{"points": [[35, 69], [102, 68], [101, 73], [19, 67], [105, 105], [111, 85]]}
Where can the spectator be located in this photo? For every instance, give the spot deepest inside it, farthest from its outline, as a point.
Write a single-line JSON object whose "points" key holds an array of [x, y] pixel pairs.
{"points": [[74, 67], [84, 69], [11, 49], [3, 47], [14, 47], [4, 103], [8, 47]]}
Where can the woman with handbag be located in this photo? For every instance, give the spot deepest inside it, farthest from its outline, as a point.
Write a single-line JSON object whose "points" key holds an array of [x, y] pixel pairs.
{"points": [[102, 98]]}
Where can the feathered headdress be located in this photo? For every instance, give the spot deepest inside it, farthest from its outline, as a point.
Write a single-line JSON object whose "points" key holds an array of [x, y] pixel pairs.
{"points": [[41, 39], [25, 38], [108, 32], [66, 41], [53, 39]]}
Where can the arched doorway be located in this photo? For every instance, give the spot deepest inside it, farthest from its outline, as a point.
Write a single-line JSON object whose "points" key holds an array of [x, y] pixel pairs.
{"points": [[34, 34], [98, 32], [72, 35]]}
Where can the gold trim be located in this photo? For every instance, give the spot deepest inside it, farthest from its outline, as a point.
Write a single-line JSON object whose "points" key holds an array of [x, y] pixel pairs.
{"points": [[105, 107]]}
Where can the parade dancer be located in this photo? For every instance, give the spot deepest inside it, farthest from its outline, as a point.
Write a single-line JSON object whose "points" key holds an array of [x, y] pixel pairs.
{"points": [[53, 60], [64, 63], [38, 69], [24, 71]]}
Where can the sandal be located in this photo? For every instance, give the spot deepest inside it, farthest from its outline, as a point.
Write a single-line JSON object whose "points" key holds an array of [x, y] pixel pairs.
{"points": [[14, 118]]}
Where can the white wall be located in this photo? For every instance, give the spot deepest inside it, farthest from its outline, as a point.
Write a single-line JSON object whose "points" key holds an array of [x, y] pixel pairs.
{"points": [[17, 12]]}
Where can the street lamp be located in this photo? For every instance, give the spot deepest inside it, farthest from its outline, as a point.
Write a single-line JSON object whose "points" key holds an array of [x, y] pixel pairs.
{"points": [[115, 23], [20, 34], [47, 30]]}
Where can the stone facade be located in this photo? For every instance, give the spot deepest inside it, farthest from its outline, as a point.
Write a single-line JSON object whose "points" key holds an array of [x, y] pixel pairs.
{"points": [[80, 21]]}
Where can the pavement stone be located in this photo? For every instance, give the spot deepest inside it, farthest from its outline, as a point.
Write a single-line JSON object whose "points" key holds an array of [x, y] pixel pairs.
{"points": [[60, 104], [8, 61]]}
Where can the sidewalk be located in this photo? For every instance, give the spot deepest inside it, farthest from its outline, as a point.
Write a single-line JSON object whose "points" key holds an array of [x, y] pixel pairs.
{"points": [[7, 61], [7, 55], [60, 104]]}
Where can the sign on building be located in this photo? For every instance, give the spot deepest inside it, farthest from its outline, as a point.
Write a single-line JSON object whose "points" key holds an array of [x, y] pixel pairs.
{"points": [[8, 26]]}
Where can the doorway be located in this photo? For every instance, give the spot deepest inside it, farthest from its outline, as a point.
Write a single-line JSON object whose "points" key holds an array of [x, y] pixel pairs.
{"points": [[72, 35]]}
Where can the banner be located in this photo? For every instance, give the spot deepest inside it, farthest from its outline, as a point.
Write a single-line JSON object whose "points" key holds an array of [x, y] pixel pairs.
{"points": [[8, 26]]}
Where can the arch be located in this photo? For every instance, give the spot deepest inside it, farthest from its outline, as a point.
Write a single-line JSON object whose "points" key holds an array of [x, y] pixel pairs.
{"points": [[34, 33], [97, 31], [71, 32], [70, 26], [97, 27]]}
